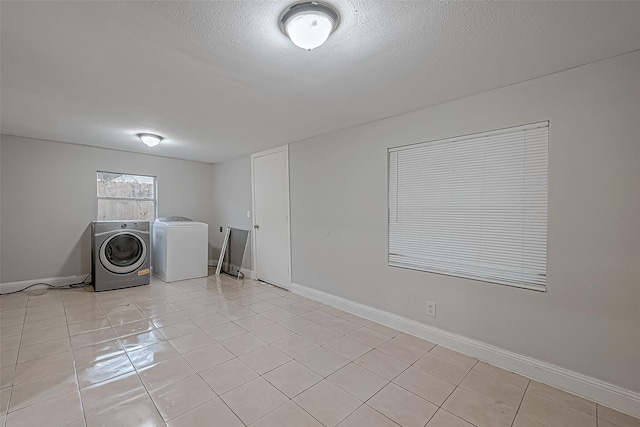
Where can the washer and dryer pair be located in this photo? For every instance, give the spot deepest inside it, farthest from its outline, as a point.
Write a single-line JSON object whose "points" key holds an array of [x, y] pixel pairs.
{"points": [[121, 256]]}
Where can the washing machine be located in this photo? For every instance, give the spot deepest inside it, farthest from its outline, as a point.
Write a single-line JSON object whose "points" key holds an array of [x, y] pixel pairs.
{"points": [[180, 248], [120, 254]]}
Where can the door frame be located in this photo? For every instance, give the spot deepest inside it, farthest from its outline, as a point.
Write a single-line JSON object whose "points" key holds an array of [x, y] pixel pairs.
{"points": [[254, 248]]}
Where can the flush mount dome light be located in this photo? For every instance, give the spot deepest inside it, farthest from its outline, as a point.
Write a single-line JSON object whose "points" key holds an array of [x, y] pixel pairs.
{"points": [[150, 139], [309, 24]]}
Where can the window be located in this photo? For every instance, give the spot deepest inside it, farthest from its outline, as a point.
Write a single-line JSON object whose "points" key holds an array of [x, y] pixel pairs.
{"points": [[126, 197], [473, 206]]}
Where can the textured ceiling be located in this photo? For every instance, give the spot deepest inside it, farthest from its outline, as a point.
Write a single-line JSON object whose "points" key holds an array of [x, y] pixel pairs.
{"points": [[219, 80]]}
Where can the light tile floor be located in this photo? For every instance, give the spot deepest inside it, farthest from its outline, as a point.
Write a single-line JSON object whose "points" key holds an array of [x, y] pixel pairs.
{"points": [[215, 351]]}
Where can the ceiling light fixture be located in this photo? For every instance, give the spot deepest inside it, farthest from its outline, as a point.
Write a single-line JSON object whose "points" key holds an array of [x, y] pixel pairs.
{"points": [[309, 24], [150, 139]]}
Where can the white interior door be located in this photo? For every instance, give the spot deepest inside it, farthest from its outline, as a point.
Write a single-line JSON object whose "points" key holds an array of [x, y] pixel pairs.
{"points": [[270, 172]]}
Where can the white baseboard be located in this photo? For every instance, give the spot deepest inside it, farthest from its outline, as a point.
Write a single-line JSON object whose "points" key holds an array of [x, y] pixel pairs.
{"points": [[611, 395], [53, 281]]}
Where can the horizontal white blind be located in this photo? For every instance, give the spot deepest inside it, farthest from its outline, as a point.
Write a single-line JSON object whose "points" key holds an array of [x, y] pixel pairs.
{"points": [[474, 206]]}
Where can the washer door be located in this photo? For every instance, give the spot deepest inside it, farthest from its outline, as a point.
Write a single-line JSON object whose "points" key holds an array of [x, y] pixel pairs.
{"points": [[123, 252]]}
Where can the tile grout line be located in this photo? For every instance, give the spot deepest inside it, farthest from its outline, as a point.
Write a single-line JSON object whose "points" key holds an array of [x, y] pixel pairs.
{"points": [[15, 366], [107, 379], [43, 376], [219, 396], [289, 399], [221, 399], [75, 368], [18, 355], [520, 404], [139, 378], [221, 289]]}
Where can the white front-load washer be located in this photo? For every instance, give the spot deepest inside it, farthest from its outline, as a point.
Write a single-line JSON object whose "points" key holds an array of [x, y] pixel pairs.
{"points": [[120, 254], [180, 249]]}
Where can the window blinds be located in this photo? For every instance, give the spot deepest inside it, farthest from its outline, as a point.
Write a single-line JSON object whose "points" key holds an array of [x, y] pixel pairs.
{"points": [[473, 206]]}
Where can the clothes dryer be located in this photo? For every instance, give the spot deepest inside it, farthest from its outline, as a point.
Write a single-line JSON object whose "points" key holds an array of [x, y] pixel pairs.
{"points": [[120, 254]]}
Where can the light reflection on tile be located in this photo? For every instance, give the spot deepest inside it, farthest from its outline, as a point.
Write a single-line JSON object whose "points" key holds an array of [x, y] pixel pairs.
{"points": [[138, 341], [99, 371], [187, 342], [97, 352], [152, 354]]}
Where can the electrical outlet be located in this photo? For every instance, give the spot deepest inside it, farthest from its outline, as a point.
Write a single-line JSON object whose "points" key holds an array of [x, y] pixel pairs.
{"points": [[431, 309], [221, 229]]}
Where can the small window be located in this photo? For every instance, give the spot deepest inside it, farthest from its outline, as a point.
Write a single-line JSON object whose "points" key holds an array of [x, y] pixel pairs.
{"points": [[473, 206], [126, 197]]}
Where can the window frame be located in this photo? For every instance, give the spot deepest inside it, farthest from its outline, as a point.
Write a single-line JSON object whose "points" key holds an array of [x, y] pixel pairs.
{"points": [[154, 200], [479, 277]]}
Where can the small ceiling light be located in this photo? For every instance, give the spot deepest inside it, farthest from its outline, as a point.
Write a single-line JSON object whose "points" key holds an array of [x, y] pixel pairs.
{"points": [[309, 24], [150, 139]]}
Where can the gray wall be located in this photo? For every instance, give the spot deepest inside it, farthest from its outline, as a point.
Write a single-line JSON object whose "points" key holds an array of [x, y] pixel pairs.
{"points": [[0, 209], [589, 318], [231, 201], [49, 199]]}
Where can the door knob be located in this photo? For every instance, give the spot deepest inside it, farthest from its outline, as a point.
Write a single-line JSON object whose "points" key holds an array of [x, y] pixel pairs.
{"points": [[256, 226]]}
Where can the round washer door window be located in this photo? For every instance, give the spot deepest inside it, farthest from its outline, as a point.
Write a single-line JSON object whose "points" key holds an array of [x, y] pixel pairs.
{"points": [[123, 253]]}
